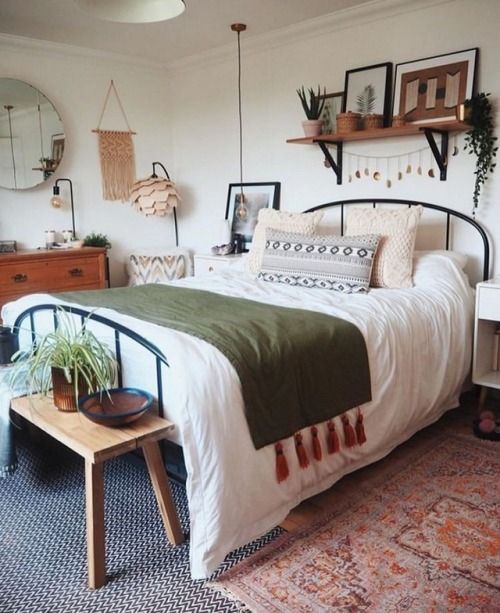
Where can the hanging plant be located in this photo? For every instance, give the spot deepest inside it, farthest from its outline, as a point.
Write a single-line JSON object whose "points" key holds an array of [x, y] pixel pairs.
{"points": [[480, 140]]}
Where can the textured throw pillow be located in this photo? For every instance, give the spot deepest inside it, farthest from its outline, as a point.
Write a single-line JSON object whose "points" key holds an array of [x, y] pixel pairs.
{"points": [[393, 264], [304, 223], [326, 262]]}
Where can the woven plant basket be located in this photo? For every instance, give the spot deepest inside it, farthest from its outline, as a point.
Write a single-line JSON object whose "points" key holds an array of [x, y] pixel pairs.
{"points": [[348, 122], [398, 121], [373, 120]]}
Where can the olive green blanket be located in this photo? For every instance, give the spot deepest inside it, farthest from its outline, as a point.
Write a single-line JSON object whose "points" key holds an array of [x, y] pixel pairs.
{"points": [[296, 367]]}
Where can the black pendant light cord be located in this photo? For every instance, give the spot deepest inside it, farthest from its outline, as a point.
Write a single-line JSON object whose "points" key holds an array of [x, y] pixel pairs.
{"points": [[239, 110], [8, 108], [239, 28]]}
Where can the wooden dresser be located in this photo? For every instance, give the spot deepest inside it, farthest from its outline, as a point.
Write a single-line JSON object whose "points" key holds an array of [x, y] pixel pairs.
{"points": [[28, 272]]}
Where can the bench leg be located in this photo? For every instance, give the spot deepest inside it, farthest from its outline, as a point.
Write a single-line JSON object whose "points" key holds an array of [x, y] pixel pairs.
{"points": [[161, 488], [94, 502]]}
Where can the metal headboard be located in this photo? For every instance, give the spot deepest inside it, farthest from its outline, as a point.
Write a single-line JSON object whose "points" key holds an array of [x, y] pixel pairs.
{"points": [[448, 212], [118, 330]]}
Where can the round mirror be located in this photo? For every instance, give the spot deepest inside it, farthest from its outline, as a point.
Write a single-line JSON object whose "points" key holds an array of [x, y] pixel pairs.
{"points": [[31, 135]]}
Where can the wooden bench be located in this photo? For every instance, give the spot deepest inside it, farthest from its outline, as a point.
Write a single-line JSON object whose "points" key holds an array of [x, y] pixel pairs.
{"points": [[96, 444]]}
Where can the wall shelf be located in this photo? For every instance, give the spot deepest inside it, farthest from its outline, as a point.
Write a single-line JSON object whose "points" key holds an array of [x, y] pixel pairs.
{"points": [[430, 130]]}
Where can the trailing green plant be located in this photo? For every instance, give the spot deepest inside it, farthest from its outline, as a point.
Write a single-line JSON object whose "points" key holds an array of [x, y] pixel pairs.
{"points": [[71, 347], [480, 140], [312, 102], [365, 101], [96, 240]]}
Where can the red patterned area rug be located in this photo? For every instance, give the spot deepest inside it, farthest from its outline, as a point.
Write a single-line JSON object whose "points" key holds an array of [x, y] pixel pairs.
{"points": [[420, 533]]}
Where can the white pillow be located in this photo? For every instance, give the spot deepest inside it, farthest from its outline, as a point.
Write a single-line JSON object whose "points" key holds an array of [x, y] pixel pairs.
{"points": [[460, 259], [393, 264], [299, 223]]}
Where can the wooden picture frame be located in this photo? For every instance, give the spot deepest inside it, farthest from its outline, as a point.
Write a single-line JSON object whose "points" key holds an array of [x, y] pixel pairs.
{"points": [[333, 106], [368, 90], [256, 196], [431, 89]]}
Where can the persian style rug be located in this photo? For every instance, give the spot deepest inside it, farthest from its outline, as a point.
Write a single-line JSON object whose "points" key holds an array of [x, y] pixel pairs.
{"points": [[419, 532]]}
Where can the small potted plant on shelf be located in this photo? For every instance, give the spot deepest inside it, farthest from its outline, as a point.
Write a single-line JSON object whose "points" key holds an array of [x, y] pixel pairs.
{"points": [[71, 360], [480, 139], [313, 104]]}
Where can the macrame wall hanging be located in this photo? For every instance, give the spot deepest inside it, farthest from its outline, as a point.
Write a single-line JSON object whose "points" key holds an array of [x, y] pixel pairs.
{"points": [[116, 151]]}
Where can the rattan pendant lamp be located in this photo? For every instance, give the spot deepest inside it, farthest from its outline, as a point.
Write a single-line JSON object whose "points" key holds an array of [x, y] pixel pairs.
{"points": [[156, 195]]}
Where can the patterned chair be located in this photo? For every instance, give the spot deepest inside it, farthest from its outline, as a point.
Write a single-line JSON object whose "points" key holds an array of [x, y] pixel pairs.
{"points": [[154, 266]]}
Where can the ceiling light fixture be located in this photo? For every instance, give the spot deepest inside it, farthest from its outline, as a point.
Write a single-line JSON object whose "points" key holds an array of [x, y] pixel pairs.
{"points": [[133, 11], [241, 211]]}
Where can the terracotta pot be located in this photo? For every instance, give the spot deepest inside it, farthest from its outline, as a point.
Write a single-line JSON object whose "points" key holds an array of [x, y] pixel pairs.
{"points": [[312, 127], [64, 392]]}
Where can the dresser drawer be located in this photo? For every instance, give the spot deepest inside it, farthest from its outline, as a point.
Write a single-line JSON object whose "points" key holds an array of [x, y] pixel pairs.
{"points": [[44, 275]]}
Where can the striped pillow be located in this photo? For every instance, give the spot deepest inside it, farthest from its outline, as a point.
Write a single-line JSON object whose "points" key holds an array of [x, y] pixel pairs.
{"points": [[330, 262]]}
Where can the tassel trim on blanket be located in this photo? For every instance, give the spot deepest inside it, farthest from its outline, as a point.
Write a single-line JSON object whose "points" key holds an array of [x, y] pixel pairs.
{"points": [[352, 436]]}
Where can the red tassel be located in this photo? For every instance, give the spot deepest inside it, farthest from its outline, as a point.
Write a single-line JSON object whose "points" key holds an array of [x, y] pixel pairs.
{"points": [[360, 429], [349, 436], [301, 452], [282, 471], [316, 444], [333, 438]]}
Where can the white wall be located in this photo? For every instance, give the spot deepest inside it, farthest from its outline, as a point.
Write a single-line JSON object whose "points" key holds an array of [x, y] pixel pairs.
{"points": [[187, 118], [205, 131], [77, 86]]}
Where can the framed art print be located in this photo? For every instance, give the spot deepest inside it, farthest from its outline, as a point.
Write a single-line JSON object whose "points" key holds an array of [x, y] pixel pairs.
{"points": [[432, 88], [368, 90], [244, 201], [333, 105]]}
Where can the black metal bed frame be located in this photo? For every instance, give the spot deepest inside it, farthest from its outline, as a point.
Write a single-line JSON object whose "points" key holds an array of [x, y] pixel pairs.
{"points": [[426, 205]]}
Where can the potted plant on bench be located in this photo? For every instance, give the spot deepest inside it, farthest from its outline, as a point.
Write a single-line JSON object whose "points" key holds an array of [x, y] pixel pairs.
{"points": [[70, 360]]}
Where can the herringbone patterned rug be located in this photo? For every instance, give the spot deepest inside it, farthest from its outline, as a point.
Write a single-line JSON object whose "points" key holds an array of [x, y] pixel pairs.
{"points": [[43, 546]]}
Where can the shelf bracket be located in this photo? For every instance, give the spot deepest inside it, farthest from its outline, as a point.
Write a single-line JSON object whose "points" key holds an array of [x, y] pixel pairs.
{"points": [[336, 166], [440, 154]]}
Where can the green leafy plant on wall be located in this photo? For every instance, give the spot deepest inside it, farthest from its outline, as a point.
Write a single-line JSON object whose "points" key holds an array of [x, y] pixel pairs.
{"points": [[312, 102], [365, 101], [96, 240], [480, 140]]}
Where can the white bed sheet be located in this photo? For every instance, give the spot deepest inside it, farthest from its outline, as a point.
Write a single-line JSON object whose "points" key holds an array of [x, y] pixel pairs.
{"points": [[419, 347]]}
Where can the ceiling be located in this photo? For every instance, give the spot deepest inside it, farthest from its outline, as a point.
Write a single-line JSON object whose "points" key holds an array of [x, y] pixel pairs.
{"points": [[203, 26]]}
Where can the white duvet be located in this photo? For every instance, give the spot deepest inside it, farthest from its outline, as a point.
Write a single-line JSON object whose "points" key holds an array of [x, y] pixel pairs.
{"points": [[419, 347]]}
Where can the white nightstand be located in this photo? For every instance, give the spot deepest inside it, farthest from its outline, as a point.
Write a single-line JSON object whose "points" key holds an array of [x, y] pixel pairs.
{"points": [[486, 359], [207, 263]]}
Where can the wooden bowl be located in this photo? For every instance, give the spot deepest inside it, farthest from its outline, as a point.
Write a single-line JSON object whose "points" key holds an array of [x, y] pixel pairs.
{"points": [[115, 407]]}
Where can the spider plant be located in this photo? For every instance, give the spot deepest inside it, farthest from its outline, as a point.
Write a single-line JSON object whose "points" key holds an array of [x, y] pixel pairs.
{"points": [[72, 347]]}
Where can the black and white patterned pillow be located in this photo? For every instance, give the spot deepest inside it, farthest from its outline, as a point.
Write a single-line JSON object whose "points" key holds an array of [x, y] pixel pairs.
{"points": [[340, 263]]}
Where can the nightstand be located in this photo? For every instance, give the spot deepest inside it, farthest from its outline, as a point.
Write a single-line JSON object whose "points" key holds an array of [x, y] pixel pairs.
{"points": [[206, 263], [486, 358]]}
